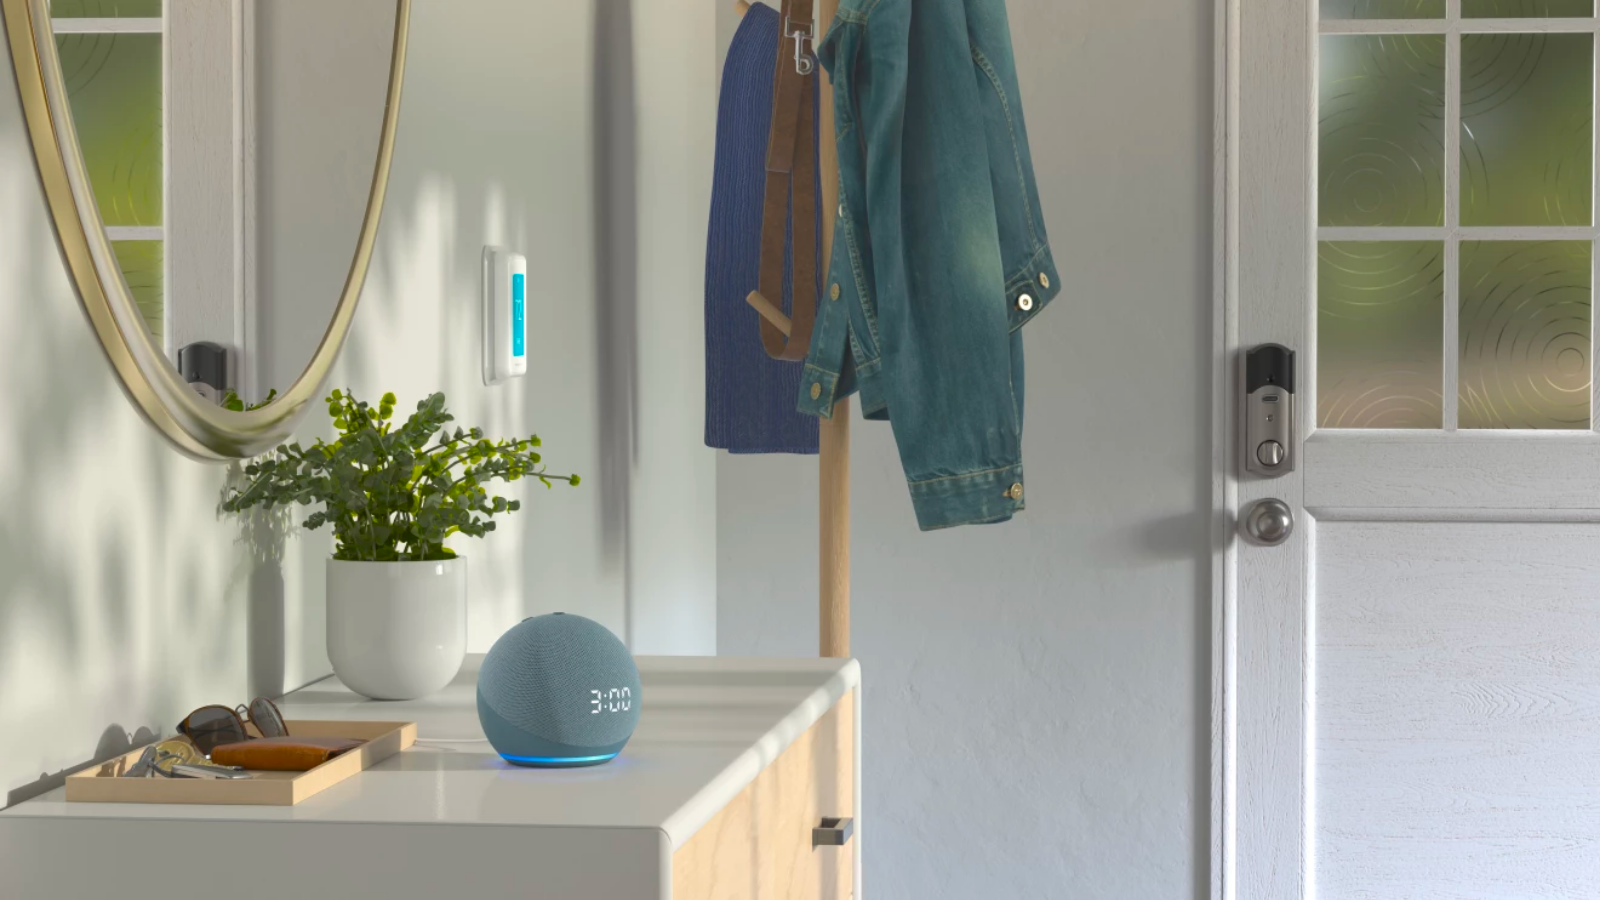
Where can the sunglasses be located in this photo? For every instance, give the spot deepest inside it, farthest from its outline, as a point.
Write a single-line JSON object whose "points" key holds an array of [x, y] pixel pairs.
{"points": [[210, 727]]}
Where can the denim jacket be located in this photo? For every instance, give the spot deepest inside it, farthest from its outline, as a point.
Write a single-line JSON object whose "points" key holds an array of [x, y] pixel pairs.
{"points": [[939, 250]]}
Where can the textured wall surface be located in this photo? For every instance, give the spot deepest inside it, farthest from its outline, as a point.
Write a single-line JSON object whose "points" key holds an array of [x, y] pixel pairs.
{"points": [[1036, 715]]}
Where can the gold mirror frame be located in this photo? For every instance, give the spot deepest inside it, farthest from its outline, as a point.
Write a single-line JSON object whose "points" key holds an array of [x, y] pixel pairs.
{"points": [[198, 428]]}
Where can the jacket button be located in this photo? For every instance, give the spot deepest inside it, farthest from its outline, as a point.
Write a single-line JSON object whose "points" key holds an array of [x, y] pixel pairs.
{"points": [[816, 391], [1025, 302], [833, 292], [1044, 281], [1016, 491]]}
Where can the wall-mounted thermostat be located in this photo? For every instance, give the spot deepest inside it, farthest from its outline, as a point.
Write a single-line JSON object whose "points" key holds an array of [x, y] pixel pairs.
{"points": [[505, 315]]}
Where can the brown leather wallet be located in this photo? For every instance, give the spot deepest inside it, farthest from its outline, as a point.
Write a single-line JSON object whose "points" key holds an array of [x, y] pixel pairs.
{"points": [[282, 754]]}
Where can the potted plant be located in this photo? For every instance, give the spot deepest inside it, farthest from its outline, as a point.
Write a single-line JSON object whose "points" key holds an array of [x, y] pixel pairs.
{"points": [[394, 494]]}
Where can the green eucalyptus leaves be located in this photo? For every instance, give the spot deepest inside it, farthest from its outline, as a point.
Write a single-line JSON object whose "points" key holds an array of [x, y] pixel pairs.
{"points": [[394, 493]]}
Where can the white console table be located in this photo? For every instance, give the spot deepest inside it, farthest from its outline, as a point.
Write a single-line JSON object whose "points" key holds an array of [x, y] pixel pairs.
{"points": [[734, 763]]}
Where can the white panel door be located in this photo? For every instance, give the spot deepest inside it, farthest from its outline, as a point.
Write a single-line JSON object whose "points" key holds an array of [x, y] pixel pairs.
{"points": [[1411, 686]]}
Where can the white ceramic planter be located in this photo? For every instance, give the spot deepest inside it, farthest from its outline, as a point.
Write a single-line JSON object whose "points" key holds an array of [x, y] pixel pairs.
{"points": [[397, 630]]}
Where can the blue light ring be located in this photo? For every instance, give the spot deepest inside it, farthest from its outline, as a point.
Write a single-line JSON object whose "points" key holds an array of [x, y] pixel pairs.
{"points": [[558, 760]]}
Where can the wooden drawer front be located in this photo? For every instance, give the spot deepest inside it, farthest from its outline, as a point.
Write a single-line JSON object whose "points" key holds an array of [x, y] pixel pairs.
{"points": [[759, 846]]}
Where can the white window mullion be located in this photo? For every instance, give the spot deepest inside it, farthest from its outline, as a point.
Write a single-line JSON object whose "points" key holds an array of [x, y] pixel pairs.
{"points": [[134, 232], [1452, 216], [86, 25]]}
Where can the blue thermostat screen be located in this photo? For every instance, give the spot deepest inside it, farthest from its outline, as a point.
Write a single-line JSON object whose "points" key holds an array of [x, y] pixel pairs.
{"points": [[519, 305]]}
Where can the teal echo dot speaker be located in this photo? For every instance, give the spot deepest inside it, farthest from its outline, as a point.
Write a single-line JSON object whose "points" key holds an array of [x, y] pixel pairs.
{"points": [[558, 691]]}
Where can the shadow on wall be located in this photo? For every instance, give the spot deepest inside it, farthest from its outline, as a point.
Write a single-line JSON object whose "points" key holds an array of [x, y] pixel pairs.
{"points": [[264, 533], [113, 743], [119, 596], [616, 278]]}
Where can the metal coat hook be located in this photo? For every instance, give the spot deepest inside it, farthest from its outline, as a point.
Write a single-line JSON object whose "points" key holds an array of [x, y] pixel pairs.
{"points": [[804, 62]]}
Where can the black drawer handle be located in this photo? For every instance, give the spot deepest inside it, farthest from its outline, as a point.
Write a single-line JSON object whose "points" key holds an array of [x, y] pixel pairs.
{"points": [[833, 833]]}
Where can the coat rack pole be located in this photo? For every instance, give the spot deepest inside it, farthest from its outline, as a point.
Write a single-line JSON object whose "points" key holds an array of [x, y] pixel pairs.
{"points": [[833, 555], [833, 502]]}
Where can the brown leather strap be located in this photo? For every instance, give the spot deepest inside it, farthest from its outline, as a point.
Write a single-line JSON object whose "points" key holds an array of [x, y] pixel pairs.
{"points": [[791, 188]]}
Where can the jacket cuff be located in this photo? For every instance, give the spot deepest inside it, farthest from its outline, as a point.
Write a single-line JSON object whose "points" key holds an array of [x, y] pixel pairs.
{"points": [[977, 498], [1031, 288]]}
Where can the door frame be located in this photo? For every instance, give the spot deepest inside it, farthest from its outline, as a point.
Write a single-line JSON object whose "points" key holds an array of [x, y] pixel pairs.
{"points": [[1227, 382], [1224, 480], [1260, 840], [1225, 461]]}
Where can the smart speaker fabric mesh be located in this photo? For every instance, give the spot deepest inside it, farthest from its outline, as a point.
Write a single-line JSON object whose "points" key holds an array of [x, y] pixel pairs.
{"points": [[538, 676]]}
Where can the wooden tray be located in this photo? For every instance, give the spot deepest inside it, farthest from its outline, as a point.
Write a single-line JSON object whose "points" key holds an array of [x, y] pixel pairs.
{"points": [[100, 784]]}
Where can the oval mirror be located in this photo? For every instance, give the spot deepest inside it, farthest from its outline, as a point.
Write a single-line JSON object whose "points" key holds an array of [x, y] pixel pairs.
{"points": [[215, 170]]}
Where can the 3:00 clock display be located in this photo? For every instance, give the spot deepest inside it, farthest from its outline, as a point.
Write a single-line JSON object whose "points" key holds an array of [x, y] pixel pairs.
{"points": [[613, 700]]}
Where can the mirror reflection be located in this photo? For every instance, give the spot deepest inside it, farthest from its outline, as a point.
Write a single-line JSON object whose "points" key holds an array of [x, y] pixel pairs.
{"points": [[230, 149]]}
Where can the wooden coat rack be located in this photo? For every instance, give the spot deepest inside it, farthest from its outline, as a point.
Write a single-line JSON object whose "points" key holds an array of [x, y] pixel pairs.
{"points": [[833, 552]]}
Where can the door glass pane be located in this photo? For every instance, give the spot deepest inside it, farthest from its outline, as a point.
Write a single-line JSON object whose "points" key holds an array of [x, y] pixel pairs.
{"points": [[140, 262], [1526, 129], [1383, 9], [1525, 323], [1380, 334], [1381, 151], [105, 9], [1510, 9], [114, 86]]}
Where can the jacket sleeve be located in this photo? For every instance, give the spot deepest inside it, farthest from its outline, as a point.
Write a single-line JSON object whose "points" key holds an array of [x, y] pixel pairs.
{"points": [[951, 364]]}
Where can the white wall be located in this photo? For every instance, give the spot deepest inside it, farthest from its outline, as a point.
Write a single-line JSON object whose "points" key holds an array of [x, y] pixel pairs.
{"points": [[672, 556], [1037, 693], [122, 592], [127, 600]]}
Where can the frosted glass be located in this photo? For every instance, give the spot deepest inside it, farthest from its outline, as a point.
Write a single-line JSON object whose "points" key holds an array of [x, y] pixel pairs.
{"points": [[1380, 334], [1382, 9], [114, 87], [105, 9], [1514, 9], [1381, 130], [1527, 129], [140, 262], [1525, 324]]}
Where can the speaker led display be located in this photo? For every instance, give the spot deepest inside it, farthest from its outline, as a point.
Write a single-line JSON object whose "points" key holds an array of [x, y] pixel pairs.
{"points": [[558, 691]]}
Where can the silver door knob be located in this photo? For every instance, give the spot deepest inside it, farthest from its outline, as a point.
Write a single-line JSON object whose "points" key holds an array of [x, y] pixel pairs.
{"points": [[1268, 522]]}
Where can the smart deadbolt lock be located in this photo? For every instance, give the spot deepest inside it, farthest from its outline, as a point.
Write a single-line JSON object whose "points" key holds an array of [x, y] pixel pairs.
{"points": [[1269, 410]]}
